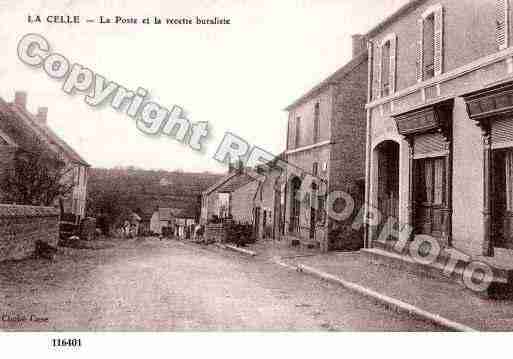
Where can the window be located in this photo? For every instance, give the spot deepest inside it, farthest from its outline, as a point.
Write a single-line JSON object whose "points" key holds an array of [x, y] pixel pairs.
{"points": [[321, 209], [315, 168], [429, 47], [298, 128], [289, 132], [430, 43], [316, 123], [223, 209], [385, 69], [502, 23], [433, 175]]}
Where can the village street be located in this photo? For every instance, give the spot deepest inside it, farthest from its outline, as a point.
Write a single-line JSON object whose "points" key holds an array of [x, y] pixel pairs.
{"points": [[152, 285]]}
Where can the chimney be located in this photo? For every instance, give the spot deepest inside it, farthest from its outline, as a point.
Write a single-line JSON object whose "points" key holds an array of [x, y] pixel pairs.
{"points": [[42, 114], [20, 98], [358, 44], [236, 166]]}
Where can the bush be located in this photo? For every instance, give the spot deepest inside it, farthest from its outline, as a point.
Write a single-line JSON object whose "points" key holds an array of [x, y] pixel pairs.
{"points": [[344, 237], [239, 234]]}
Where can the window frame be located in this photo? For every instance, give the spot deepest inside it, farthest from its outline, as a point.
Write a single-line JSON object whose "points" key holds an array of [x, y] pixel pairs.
{"points": [[317, 111], [437, 11], [297, 133], [391, 40]]}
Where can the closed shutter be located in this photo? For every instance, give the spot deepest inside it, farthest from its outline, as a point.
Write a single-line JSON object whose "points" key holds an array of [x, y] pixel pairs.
{"points": [[502, 132], [429, 145], [378, 62], [502, 23], [370, 49], [439, 41], [393, 63], [420, 50]]}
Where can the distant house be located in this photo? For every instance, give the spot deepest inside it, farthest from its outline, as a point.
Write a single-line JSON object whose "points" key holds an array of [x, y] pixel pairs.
{"points": [[231, 197], [22, 131], [160, 219], [176, 219]]}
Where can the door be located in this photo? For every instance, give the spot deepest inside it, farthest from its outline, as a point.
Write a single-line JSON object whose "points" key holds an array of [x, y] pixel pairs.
{"points": [[430, 194], [313, 210], [388, 183], [502, 198], [256, 222], [295, 205]]}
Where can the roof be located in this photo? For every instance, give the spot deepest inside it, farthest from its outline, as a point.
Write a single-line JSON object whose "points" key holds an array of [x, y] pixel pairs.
{"points": [[233, 181], [134, 216], [184, 212], [332, 79], [410, 5], [21, 131], [236, 182], [219, 183], [48, 133], [165, 214], [7, 139]]}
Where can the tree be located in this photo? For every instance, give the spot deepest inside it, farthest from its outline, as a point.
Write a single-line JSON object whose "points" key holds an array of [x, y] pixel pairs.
{"points": [[36, 178]]}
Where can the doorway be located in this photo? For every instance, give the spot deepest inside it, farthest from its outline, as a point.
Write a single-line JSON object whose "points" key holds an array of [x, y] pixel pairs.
{"points": [[430, 196], [295, 207], [502, 198], [388, 181]]}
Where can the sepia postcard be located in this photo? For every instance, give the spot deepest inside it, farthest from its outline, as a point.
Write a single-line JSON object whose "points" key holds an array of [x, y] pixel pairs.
{"points": [[228, 166]]}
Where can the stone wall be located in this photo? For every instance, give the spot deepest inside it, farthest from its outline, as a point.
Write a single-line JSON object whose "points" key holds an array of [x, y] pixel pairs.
{"points": [[22, 226]]}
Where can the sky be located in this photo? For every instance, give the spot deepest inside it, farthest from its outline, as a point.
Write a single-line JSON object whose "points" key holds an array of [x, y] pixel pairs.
{"points": [[238, 77]]}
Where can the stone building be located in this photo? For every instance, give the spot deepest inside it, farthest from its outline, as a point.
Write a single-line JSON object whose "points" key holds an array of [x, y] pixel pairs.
{"points": [[21, 130], [231, 197], [440, 124], [269, 203], [326, 139]]}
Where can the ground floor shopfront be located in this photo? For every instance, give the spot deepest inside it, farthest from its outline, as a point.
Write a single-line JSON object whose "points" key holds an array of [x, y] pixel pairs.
{"points": [[444, 168]]}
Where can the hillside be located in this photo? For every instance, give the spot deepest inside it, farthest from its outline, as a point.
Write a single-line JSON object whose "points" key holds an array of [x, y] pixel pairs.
{"points": [[143, 191]]}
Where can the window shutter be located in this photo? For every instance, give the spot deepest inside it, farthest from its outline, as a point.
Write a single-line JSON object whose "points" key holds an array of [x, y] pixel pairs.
{"points": [[370, 49], [379, 52], [420, 51], [439, 41], [502, 23], [393, 63]]}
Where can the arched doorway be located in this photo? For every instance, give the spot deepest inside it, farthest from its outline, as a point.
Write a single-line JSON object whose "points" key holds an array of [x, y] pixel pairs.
{"points": [[388, 181], [295, 205]]}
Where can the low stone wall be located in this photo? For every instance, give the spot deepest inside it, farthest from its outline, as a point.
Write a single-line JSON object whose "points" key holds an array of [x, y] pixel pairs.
{"points": [[22, 226]]}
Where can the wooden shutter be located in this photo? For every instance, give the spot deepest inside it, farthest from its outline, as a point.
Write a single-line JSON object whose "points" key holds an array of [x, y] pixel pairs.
{"points": [[509, 180], [429, 144], [502, 23], [370, 49], [439, 40], [428, 171], [438, 180], [502, 132], [378, 63], [393, 63], [420, 51]]}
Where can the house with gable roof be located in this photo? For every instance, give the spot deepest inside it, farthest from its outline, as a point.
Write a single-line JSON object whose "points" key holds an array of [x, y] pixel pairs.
{"points": [[20, 130]]}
